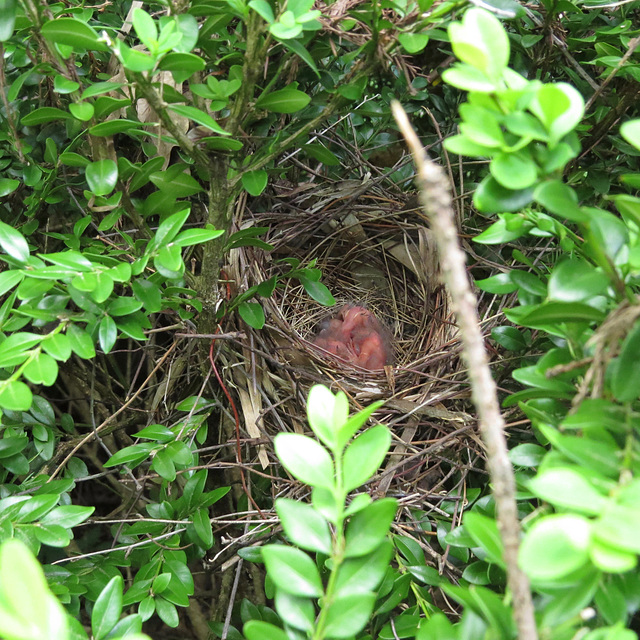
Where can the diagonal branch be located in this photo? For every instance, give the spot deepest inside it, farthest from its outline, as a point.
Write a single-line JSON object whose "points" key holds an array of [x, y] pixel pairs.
{"points": [[437, 205]]}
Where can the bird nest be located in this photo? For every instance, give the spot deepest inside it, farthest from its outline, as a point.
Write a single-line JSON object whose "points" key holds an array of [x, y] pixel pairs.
{"points": [[376, 252]]}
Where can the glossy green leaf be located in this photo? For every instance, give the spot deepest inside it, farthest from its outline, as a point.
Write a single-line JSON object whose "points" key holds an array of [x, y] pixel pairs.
{"points": [[318, 291], [296, 612], [42, 369], [369, 527], [30, 610], [555, 546], [8, 186], [107, 608], [292, 570], [13, 243], [484, 531], [255, 181], [625, 381], [305, 459], [283, 101], [199, 116], [73, 33], [481, 41], [7, 19], [348, 614], [252, 313], [492, 197], [514, 170], [364, 574], [107, 333], [258, 630], [364, 455], [304, 526], [630, 131], [15, 396], [102, 176], [202, 526], [560, 199], [83, 111]]}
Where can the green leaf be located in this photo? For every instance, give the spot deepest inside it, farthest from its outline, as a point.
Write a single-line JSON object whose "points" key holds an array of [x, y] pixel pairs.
{"points": [[630, 131], [13, 243], [305, 459], [559, 107], [163, 465], [123, 306], [42, 369], [197, 236], [82, 111], [252, 313], [568, 488], [131, 456], [499, 284], [169, 229], [202, 525], [102, 176], [326, 413], [80, 342], [186, 63], [555, 546], [112, 127], [255, 181], [292, 570], [560, 199], [107, 608], [492, 197], [67, 516], [625, 382], [369, 527], [7, 19], [514, 170], [484, 531], [304, 526], [574, 280], [145, 27], [481, 41], [169, 262], [107, 333], [73, 33], [296, 612], [198, 116], [349, 614], [364, 455], [364, 574], [413, 42], [30, 611], [318, 291], [553, 312], [263, 8], [258, 630], [8, 185], [167, 612], [283, 101], [176, 182], [15, 396]]}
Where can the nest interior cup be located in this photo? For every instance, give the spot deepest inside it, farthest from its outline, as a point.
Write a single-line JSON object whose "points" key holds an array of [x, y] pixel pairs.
{"points": [[375, 257]]}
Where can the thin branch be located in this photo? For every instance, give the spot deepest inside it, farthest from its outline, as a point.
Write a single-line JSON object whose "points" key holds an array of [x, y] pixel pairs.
{"points": [[437, 205]]}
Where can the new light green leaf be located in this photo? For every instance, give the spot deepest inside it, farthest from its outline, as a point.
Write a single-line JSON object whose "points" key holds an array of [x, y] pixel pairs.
{"points": [[481, 41], [305, 459]]}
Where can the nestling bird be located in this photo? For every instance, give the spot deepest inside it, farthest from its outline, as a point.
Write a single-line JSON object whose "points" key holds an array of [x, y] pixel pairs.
{"points": [[354, 335]]}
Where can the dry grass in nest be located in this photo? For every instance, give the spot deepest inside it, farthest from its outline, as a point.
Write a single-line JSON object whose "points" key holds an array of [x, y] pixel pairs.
{"points": [[372, 253]]}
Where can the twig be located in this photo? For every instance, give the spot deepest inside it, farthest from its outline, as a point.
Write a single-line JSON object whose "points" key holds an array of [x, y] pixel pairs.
{"points": [[436, 202]]}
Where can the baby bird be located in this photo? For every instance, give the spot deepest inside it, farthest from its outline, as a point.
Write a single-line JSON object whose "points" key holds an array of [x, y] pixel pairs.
{"points": [[354, 335]]}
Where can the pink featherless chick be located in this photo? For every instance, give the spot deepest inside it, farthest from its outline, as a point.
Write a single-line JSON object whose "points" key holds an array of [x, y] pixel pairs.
{"points": [[355, 336]]}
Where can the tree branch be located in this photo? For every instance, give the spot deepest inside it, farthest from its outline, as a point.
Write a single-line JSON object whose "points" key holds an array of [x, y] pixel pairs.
{"points": [[437, 205]]}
